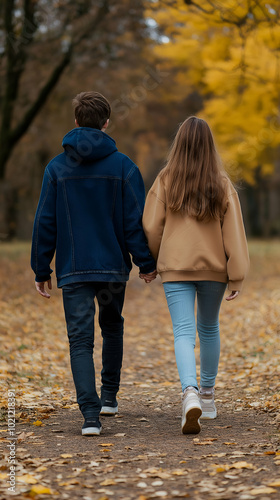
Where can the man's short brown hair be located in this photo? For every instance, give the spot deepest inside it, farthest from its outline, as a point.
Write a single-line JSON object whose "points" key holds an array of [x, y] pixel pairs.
{"points": [[91, 109]]}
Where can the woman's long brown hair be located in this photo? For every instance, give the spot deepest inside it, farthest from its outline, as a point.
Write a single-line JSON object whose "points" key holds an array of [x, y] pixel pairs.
{"points": [[194, 179]]}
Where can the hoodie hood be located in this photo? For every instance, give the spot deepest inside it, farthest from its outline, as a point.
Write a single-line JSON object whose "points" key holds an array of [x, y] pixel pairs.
{"points": [[88, 144]]}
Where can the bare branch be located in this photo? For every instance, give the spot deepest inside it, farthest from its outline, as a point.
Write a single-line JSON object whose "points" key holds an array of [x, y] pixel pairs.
{"points": [[16, 63], [198, 7]]}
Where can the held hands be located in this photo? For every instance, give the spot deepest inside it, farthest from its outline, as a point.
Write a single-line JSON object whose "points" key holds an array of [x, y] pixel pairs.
{"points": [[233, 295], [148, 277], [40, 287]]}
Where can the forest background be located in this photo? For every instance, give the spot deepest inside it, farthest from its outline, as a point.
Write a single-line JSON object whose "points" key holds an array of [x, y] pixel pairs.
{"points": [[158, 62]]}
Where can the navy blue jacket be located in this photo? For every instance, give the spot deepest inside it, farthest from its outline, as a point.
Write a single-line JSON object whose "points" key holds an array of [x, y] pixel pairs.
{"points": [[90, 213]]}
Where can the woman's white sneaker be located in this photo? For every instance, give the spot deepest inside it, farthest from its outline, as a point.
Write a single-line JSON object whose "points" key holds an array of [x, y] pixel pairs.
{"points": [[207, 401], [191, 411]]}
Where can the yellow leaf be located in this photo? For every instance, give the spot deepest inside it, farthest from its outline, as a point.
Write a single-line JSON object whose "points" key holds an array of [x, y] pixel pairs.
{"points": [[263, 490], [40, 490], [242, 465], [275, 483], [27, 478], [66, 455], [106, 444], [38, 423], [221, 469], [108, 482], [68, 483], [178, 472]]}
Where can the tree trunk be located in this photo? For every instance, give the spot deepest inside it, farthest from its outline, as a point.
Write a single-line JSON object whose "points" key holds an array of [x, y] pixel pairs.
{"points": [[8, 203]]}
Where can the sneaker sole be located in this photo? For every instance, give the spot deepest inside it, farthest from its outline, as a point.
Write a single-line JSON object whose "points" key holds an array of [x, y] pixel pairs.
{"points": [[191, 424], [91, 431], [109, 411]]}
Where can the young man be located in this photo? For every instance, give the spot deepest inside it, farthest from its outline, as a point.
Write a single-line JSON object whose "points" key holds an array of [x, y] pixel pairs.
{"points": [[90, 213]]}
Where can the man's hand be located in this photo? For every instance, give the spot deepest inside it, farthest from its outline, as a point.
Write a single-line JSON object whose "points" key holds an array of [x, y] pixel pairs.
{"points": [[148, 277], [233, 295], [40, 287]]}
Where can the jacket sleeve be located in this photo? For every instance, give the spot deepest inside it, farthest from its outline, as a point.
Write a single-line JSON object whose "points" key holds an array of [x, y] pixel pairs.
{"points": [[235, 243], [136, 243], [44, 230], [154, 218]]}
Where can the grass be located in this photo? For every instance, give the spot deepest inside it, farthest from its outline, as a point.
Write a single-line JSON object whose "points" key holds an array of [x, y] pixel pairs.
{"points": [[264, 248], [257, 247], [14, 249]]}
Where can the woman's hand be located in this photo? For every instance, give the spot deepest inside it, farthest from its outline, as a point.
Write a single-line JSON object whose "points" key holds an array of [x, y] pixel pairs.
{"points": [[233, 295], [148, 277]]}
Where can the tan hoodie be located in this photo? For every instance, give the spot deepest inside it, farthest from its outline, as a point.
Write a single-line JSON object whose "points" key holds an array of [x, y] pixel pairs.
{"points": [[188, 250]]}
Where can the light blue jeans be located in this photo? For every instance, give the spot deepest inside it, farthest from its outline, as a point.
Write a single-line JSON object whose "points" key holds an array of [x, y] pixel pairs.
{"points": [[180, 296]]}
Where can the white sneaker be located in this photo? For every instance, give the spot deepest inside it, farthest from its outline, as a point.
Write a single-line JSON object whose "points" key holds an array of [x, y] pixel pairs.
{"points": [[110, 411], [109, 406], [191, 411], [91, 427], [207, 401]]}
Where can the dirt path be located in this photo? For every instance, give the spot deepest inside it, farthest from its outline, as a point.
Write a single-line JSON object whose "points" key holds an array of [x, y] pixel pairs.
{"points": [[141, 453]]}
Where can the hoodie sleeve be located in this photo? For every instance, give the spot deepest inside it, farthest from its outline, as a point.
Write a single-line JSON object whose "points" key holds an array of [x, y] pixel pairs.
{"points": [[44, 230], [154, 217], [235, 243], [136, 243]]}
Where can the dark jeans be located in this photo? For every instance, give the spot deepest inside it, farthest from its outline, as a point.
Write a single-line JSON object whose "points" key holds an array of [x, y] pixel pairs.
{"points": [[79, 307]]}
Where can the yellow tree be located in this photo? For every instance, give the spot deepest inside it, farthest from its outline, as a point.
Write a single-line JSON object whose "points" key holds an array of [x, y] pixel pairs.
{"points": [[229, 52]]}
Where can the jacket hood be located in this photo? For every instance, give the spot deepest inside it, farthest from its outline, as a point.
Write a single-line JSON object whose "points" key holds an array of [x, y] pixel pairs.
{"points": [[88, 144]]}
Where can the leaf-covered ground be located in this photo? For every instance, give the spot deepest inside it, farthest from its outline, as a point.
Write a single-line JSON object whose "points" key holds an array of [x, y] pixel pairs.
{"points": [[141, 453]]}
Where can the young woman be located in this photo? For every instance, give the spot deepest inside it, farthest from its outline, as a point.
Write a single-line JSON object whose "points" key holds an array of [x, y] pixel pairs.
{"points": [[195, 231]]}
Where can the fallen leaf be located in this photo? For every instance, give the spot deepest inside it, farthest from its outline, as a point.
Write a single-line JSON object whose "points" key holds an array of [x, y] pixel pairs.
{"points": [[42, 468], [179, 472], [242, 465], [108, 482], [262, 490], [275, 483], [38, 423], [221, 468], [157, 483], [40, 490], [27, 478]]}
